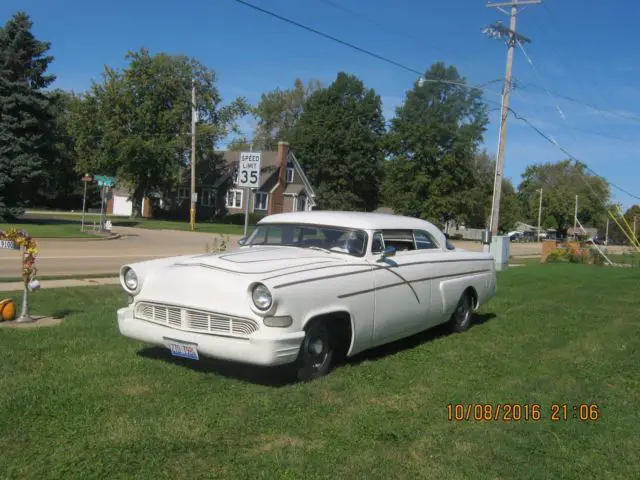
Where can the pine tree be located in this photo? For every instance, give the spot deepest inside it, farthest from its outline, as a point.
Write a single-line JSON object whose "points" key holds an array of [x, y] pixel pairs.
{"points": [[27, 138]]}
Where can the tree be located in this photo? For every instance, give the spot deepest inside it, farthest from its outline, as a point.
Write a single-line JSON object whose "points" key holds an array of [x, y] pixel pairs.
{"points": [[561, 182], [338, 141], [136, 123], [26, 121], [626, 220], [239, 145], [432, 143], [278, 111], [62, 187]]}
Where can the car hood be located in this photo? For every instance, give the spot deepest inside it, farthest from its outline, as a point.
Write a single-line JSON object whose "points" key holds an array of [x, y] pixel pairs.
{"points": [[262, 260]]}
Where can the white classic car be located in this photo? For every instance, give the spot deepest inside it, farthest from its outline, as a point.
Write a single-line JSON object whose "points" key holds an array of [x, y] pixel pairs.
{"points": [[306, 287]]}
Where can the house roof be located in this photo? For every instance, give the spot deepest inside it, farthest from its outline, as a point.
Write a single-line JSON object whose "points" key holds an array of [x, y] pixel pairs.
{"points": [[293, 189]]}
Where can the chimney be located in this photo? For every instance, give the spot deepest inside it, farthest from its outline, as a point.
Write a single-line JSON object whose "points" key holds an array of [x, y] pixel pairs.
{"points": [[277, 197]]}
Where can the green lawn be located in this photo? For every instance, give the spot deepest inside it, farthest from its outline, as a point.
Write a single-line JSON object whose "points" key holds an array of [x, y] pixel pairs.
{"points": [[68, 225], [80, 401], [48, 229]]}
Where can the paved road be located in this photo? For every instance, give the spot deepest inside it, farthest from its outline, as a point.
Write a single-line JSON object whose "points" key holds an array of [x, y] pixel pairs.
{"points": [[81, 257], [78, 257]]}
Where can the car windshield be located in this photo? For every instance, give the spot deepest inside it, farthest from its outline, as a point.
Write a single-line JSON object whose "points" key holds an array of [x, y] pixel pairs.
{"points": [[334, 239]]}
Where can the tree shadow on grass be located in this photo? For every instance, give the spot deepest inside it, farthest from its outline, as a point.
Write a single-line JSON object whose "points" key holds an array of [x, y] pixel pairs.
{"points": [[283, 375]]}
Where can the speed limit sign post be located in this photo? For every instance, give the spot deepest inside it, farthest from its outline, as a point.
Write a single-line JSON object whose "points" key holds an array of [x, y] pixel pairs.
{"points": [[248, 178]]}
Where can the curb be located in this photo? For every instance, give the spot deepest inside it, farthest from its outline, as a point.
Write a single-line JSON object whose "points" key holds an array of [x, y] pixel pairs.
{"points": [[115, 236]]}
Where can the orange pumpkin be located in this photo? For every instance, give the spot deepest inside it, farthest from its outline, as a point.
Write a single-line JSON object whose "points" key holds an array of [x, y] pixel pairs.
{"points": [[7, 310]]}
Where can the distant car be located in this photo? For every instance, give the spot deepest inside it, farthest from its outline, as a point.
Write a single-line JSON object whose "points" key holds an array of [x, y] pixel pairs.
{"points": [[306, 287]]}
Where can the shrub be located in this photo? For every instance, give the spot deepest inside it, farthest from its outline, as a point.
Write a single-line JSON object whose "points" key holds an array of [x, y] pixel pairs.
{"points": [[558, 255], [238, 218]]}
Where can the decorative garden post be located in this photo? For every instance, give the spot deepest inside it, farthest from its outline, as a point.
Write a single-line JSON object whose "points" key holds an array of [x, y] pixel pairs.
{"points": [[25, 316], [20, 240]]}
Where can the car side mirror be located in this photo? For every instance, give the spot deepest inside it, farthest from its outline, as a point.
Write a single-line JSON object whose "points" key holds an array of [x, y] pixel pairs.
{"points": [[242, 241], [388, 252]]}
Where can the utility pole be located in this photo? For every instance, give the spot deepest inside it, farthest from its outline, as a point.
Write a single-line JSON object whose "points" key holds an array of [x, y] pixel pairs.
{"points": [[192, 210], [606, 235], [634, 226], [575, 219], [539, 214], [497, 30]]}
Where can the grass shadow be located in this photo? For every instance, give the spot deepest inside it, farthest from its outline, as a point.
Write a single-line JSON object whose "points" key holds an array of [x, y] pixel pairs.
{"points": [[64, 312], [412, 341], [282, 375], [267, 376]]}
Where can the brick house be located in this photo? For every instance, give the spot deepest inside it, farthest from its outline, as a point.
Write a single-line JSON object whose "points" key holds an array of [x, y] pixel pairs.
{"points": [[283, 187]]}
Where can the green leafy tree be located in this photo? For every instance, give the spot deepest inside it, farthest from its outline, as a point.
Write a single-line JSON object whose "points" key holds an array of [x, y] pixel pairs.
{"points": [[136, 123], [433, 141], [560, 183], [627, 220], [239, 145], [27, 127], [278, 111], [338, 141]]}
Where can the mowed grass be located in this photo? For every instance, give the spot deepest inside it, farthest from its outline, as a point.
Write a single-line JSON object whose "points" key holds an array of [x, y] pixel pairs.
{"points": [[68, 225], [47, 229], [80, 401]]}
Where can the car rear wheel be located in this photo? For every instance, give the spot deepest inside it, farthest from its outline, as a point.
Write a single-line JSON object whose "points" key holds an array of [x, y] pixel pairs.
{"points": [[461, 318], [316, 352]]}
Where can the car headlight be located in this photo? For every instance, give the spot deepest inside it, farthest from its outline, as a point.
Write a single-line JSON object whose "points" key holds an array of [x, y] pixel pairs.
{"points": [[261, 297], [131, 279]]}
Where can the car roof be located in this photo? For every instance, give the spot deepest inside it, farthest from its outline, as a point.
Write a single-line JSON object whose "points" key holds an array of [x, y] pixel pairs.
{"points": [[360, 220]]}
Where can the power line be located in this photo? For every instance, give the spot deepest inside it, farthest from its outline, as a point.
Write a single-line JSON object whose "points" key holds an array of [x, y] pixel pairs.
{"points": [[363, 50], [404, 67], [579, 102], [384, 26]]}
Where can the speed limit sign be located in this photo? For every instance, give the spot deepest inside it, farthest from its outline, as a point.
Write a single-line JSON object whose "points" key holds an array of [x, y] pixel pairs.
{"points": [[249, 170]]}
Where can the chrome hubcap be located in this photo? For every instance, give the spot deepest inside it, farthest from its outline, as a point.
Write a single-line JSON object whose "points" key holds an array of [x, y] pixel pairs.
{"points": [[316, 353]]}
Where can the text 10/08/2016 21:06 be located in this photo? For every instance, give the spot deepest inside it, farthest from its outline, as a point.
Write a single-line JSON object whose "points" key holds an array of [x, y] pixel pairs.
{"points": [[516, 412]]}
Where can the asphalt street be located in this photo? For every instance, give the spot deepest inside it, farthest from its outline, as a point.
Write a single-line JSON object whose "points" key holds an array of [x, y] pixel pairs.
{"points": [[81, 257]]}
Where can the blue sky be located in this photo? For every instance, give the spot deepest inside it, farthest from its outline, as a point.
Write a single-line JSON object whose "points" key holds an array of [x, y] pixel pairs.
{"points": [[580, 49]]}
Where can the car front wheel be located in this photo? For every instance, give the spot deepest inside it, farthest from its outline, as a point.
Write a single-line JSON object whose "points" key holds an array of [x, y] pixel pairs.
{"points": [[316, 352]]}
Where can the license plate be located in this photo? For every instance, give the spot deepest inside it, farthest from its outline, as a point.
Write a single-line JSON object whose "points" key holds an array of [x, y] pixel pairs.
{"points": [[184, 350]]}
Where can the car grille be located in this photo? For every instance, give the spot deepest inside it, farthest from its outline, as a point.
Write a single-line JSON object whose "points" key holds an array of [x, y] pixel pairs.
{"points": [[195, 320]]}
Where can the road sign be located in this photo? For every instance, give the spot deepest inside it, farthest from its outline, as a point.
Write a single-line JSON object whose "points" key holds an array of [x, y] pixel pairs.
{"points": [[249, 170], [87, 178], [104, 181], [9, 244]]}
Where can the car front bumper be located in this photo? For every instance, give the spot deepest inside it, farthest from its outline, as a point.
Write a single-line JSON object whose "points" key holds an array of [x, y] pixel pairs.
{"points": [[268, 347]]}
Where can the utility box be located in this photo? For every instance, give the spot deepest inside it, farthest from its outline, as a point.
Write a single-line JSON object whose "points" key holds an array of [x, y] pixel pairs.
{"points": [[501, 251]]}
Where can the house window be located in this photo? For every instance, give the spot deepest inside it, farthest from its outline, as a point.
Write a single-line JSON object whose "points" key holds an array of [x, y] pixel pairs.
{"points": [[183, 192], [289, 175], [260, 201], [208, 198], [234, 198]]}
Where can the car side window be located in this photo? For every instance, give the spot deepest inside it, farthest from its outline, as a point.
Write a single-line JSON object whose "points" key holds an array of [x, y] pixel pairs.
{"points": [[377, 243], [401, 240], [424, 241]]}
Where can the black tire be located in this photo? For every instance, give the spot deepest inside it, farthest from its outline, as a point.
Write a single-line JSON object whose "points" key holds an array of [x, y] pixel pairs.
{"points": [[461, 317], [317, 352]]}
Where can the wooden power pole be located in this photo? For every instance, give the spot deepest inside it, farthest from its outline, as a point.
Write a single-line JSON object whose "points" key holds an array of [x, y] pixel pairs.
{"points": [[497, 30], [194, 113]]}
